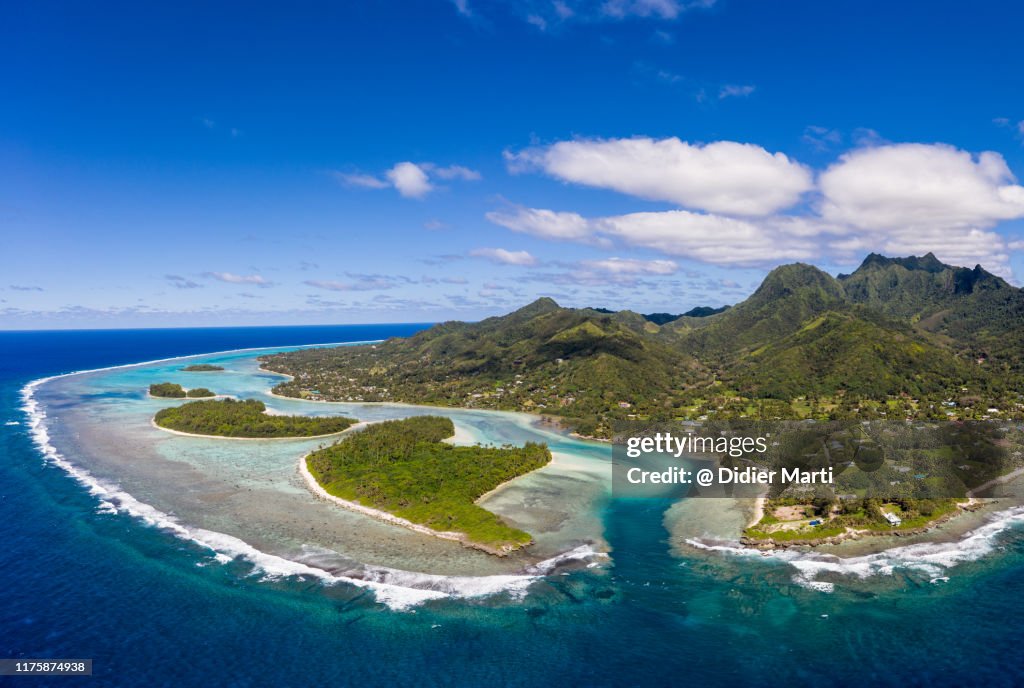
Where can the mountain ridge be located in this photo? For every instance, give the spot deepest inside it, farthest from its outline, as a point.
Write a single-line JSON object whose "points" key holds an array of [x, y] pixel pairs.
{"points": [[911, 336]]}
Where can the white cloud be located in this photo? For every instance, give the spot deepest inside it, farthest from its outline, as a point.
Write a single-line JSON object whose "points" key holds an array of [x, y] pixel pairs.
{"points": [[503, 256], [462, 7], [543, 223], [410, 180], [366, 181], [721, 177], [735, 91], [632, 266], [708, 238], [920, 186], [897, 199], [699, 236], [452, 172], [232, 278]]}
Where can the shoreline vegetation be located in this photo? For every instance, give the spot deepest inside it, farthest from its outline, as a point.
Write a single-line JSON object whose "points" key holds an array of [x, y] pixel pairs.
{"points": [[911, 341], [246, 419], [898, 339], [172, 390], [202, 368], [791, 522], [403, 472]]}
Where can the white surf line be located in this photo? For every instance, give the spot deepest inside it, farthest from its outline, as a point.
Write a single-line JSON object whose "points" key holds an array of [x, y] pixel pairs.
{"points": [[931, 558], [226, 548]]}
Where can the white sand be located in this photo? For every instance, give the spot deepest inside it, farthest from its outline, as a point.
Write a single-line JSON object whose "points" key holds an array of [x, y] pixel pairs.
{"points": [[321, 493]]}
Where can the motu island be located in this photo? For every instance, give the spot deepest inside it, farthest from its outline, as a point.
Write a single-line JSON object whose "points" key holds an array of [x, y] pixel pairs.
{"points": [[245, 419], [172, 390], [202, 368], [404, 468], [901, 339]]}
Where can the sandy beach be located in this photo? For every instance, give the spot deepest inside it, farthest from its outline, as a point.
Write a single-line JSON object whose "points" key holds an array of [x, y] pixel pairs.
{"points": [[321, 493]]}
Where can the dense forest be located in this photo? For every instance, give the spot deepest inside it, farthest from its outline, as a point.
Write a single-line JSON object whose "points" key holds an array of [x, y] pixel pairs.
{"points": [[171, 390], [230, 418], [899, 338], [403, 467]]}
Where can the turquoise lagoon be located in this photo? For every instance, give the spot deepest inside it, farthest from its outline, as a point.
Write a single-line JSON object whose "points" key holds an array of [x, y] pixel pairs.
{"points": [[163, 546]]}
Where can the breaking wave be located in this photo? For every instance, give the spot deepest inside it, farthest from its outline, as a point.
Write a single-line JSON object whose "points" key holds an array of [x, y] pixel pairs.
{"points": [[394, 588]]}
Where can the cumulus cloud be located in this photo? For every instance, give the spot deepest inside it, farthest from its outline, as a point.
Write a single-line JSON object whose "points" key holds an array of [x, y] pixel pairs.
{"points": [[411, 180], [708, 238], [920, 186], [738, 201], [504, 256], [232, 278], [548, 224], [721, 177]]}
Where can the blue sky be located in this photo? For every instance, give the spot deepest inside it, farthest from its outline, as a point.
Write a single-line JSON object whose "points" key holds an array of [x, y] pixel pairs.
{"points": [[212, 163]]}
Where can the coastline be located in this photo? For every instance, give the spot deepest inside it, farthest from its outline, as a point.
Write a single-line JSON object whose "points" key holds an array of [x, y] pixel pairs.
{"points": [[858, 534], [319, 492], [542, 421], [152, 422]]}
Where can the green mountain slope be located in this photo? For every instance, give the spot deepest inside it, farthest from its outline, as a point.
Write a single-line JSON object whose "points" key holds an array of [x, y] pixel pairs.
{"points": [[924, 338], [588, 366], [789, 296], [981, 314], [848, 353]]}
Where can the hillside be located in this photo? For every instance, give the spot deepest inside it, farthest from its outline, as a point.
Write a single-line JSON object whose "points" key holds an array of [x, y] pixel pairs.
{"points": [[589, 366], [980, 314], [907, 337]]}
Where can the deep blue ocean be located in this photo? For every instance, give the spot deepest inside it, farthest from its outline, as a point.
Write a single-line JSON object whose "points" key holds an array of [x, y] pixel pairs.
{"points": [[75, 584]]}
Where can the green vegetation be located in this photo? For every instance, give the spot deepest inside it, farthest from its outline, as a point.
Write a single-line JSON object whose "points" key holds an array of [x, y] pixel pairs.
{"points": [[230, 418], [589, 367], [202, 368], [404, 468], [789, 519], [900, 338], [171, 390]]}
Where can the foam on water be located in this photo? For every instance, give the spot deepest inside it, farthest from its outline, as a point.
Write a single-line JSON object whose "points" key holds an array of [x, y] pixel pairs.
{"points": [[932, 559], [394, 588]]}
